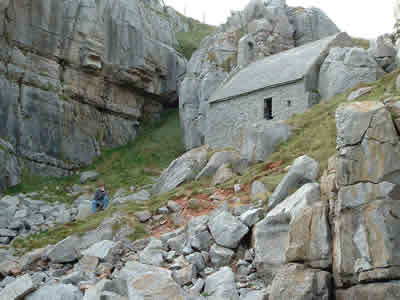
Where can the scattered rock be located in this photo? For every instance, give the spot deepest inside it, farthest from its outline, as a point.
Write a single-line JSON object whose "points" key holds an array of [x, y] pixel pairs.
{"points": [[88, 176], [143, 216], [358, 93], [65, 251]]}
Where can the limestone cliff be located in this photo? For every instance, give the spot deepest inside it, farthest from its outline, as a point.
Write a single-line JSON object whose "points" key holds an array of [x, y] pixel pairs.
{"points": [[79, 75]]}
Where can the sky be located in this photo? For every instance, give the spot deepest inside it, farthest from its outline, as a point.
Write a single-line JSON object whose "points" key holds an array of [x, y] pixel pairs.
{"points": [[359, 18]]}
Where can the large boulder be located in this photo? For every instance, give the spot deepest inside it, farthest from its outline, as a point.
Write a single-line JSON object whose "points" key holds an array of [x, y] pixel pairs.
{"points": [[294, 282], [153, 254], [344, 68], [303, 170], [149, 282], [260, 139], [227, 230], [182, 169], [271, 235]]}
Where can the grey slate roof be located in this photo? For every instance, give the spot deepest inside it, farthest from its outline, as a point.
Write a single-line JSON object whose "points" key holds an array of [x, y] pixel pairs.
{"points": [[274, 70]]}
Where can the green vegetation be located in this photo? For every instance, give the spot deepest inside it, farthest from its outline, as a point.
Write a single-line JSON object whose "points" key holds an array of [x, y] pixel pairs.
{"points": [[190, 41]]}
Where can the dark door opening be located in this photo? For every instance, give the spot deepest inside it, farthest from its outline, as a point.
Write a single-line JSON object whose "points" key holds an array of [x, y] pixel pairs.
{"points": [[268, 109]]}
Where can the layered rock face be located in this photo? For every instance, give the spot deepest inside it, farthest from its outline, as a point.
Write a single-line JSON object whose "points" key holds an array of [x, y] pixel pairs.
{"points": [[79, 75], [263, 28], [366, 214]]}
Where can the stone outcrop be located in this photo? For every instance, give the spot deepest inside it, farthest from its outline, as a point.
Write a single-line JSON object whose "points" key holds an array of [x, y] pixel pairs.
{"points": [[344, 68], [263, 28], [76, 76]]}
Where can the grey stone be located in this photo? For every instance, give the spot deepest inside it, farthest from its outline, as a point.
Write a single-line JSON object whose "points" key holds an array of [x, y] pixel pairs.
{"points": [[143, 216], [31, 258], [383, 290], [173, 206], [344, 68], [271, 235], [303, 170], [65, 251], [240, 166], [295, 282], [8, 233], [223, 174], [104, 250], [311, 24], [145, 281], [220, 256], [227, 230], [251, 217], [56, 292], [163, 210], [310, 238], [185, 275], [153, 254], [181, 170], [217, 160], [197, 260], [261, 138], [18, 288], [379, 147], [221, 285], [358, 93], [88, 176], [142, 196]]}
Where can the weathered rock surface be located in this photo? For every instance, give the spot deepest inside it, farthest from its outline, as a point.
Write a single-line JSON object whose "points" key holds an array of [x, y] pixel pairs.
{"points": [[271, 235], [221, 285], [297, 283], [260, 140], [227, 230], [384, 52], [310, 238], [56, 292], [344, 68], [78, 76], [17, 289], [223, 174], [150, 282], [303, 170], [217, 160], [182, 169]]}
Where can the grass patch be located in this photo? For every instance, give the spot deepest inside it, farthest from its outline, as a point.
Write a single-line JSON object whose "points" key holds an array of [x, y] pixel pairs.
{"points": [[189, 42]]}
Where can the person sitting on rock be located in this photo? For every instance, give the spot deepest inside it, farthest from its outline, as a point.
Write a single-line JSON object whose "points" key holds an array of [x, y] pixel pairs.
{"points": [[100, 200]]}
